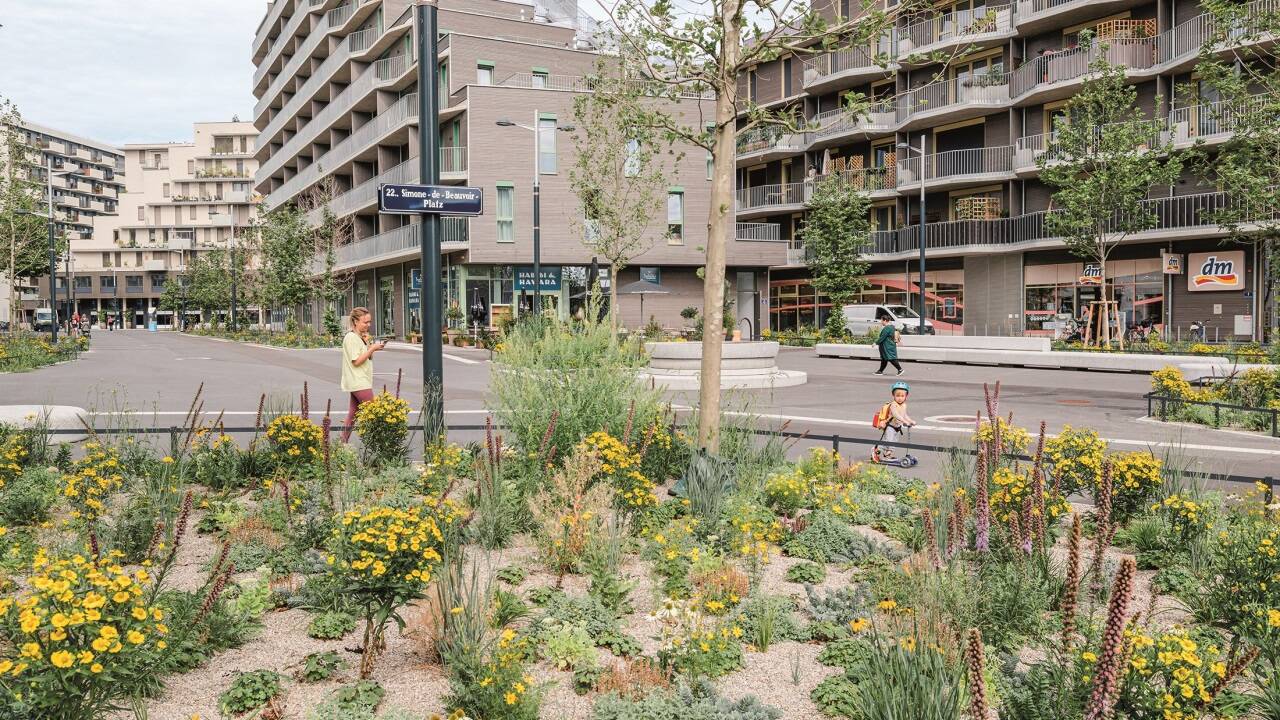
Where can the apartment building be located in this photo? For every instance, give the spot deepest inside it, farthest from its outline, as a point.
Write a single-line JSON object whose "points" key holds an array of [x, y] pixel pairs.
{"points": [[180, 199], [88, 177], [337, 107], [984, 118]]}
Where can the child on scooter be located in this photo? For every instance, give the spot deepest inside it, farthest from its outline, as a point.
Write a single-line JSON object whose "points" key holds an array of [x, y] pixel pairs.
{"points": [[892, 418]]}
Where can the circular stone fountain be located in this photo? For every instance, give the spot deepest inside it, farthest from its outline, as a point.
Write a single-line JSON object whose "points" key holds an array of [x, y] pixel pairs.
{"points": [[743, 365]]}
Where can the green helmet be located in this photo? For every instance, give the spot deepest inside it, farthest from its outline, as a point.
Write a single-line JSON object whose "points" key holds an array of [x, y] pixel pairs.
{"points": [[900, 386]]}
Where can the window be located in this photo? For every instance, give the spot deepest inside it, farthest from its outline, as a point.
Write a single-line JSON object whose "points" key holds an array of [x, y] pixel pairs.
{"points": [[157, 283], [133, 283], [107, 283], [192, 214], [540, 77], [83, 282], [786, 77], [155, 160], [142, 214], [484, 72], [751, 85], [506, 213], [631, 166], [165, 189], [547, 145], [444, 79], [675, 216], [844, 9], [106, 259]]}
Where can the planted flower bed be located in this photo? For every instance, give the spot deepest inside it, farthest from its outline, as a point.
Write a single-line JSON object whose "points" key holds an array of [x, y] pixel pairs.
{"points": [[285, 338], [20, 352], [1249, 400]]}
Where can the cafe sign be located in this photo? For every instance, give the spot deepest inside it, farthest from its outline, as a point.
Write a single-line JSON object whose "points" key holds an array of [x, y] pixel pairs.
{"points": [[1215, 271]]}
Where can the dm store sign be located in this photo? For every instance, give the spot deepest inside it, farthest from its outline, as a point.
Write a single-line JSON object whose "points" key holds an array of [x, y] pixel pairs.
{"points": [[1215, 271]]}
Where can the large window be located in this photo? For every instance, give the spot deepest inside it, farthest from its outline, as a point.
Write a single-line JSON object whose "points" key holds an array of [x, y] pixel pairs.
{"points": [[786, 77], [547, 145], [506, 213], [675, 217], [484, 72], [539, 78], [1058, 290], [631, 166]]}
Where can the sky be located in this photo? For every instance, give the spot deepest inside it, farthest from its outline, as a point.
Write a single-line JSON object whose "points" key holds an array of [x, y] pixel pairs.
{"points": [[123, 71]]}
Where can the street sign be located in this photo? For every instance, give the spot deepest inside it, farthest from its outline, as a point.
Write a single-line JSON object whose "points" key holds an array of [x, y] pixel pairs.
{"points": [[434, 199]]}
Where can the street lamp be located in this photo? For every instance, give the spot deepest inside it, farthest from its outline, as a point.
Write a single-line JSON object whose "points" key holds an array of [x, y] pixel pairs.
{"points": [[537, 203], [907, 148]]}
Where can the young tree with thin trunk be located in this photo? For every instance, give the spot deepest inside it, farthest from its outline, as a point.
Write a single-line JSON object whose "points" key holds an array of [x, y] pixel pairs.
{"points": [[332, 233], [1103, 162], [1246, 83], [836, 231], [618, 173], [23, 234], [701, 51], [286, 252]]}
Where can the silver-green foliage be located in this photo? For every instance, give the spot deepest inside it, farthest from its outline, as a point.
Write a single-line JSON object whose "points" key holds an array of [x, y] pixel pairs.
{"points": [[697, 702]]}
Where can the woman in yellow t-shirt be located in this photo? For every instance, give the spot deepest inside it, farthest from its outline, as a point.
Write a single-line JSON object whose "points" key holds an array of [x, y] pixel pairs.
{"points": [[357, 364]]}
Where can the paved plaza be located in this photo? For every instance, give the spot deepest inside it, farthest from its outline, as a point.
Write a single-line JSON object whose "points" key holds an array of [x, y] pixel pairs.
{"points": [[156, 374]]}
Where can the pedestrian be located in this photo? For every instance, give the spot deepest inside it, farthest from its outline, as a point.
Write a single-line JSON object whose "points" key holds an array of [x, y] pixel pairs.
{"points": [[357, 364], [891, 420], [888, 342]]}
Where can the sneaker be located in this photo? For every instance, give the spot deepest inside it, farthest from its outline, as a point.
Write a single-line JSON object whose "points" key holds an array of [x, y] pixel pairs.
{"points": [[878, 372], [901, 371]]}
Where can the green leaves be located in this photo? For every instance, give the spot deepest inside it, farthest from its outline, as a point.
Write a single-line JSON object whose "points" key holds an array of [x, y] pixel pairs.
{"points": [[836, 232]]}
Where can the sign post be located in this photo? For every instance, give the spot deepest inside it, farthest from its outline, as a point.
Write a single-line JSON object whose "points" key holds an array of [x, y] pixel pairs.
{"points": [[429, 174]]}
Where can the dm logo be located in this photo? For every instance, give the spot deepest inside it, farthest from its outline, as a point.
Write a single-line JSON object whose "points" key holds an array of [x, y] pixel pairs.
{"points": [[1216, 272]]}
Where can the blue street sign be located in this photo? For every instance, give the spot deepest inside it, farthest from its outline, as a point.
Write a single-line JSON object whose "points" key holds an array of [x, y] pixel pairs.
{"points": [[434, 199]]}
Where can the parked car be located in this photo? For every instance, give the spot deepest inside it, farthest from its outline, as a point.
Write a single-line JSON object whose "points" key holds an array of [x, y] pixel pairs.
{"points": [[43, 321], [861, 318]]}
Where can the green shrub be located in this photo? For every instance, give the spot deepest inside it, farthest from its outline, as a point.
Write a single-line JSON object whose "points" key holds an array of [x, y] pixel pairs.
{"points": [[568, 647], [696, 702], [807, 573], [828, 538], [26, 499], [512, 574], [836, 696], [600, 623], [847, 653], [838, 606], [766, 619], [331, 625], [249, 691], [130, 531], [320, 666], [905, 679]]}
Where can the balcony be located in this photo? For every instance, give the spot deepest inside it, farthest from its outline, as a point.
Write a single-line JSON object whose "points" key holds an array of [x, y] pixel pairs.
{"points": [[769, 199], [1028, 151], [1213, 122], [759, 232], [453, 164], [1034, 16], [848, 66], [1057, 75], [154, 265], [963, 28], [958, 167], [763, 144], [400, 243], [287, 33], [878, 182], [578, 83], [958, 99], [840, 125]]}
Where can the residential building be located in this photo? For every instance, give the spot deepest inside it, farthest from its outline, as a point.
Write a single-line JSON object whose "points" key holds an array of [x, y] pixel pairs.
{"points": [[985, 116], [88, 177], [337, 108], [180, 199]]}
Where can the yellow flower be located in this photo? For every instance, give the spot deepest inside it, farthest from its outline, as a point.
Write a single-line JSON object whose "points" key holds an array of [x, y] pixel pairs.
{"points": [[510, 698], [61, 659]]}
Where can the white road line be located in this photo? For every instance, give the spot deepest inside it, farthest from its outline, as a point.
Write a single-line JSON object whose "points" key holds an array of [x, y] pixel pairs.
{"points": [[255, 412], [467, 361]]}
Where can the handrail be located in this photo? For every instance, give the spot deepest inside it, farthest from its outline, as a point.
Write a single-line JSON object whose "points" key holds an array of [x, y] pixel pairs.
{"points": [[950, 163], [453, 231], [1167, 400], [769, 195], [770, 138], [367, 192], [989, 89], [759, 232], [877, 116], [853, 58], [959, 25]]}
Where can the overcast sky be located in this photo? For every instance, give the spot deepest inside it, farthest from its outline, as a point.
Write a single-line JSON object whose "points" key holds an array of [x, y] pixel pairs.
{"points": [[123, 71]]}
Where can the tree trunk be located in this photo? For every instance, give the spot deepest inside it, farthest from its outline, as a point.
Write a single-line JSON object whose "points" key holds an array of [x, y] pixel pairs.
{"points": [[1104, 326], [721, 213], [613, 300]]}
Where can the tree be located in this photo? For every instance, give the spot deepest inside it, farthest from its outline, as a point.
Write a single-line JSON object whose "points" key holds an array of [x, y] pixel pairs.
{"points": [[701, 51], [23, 233], [332, 232], [287, 249], [1247, 166], [205, 284], [617, 174], [836, 231], [1103, 161]]}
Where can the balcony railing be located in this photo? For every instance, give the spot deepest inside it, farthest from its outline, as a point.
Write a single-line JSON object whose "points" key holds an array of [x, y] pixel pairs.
{"points": [[849, 59], [578, 83], [772, 138], [454, 233], [763, 196], [957, 163], [366, 193], [290, 29], [870, 180], [1214, 119], [759, 232], [404, 110], [1136, 53], [879, 116], [294, 63], [986, 90], [453, 159], [963, 26]]}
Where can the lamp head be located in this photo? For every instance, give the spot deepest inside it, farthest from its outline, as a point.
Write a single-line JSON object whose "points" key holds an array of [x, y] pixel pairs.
{"points": [[904, 146], [505, 122]]}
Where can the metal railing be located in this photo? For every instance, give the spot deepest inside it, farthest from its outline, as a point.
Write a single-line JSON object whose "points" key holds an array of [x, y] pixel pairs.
{"points": [[291, 66], [848, 59], [290, 29], [579, 83], [955, 163], [870, 180], [1214, 118], [1135, 54], [454, 231], [1168, 404], [962, 25], [453, 159], [1025, 8], [877, 116], [987, 90], [759, 232], [366, 193], [404, 110], [772, 138], [772, 195], [269, 22]]}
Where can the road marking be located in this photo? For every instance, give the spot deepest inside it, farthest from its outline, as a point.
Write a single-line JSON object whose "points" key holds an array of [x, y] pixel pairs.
{"points": [[255, 412]]}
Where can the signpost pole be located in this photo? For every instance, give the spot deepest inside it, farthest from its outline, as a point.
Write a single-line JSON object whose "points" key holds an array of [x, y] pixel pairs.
{"points": [[429, 174], [537, 217]]}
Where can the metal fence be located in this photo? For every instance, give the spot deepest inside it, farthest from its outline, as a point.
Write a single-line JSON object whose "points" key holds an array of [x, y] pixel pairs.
{"points": [[1168, 403]]}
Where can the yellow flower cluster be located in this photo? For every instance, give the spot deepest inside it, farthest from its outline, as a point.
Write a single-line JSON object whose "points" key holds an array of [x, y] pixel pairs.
{"points": [[82, 626], [1013, 439], [1075, 458], [632, 489], [693, 643], [754, 531], [1176, 673], [385, 409], [1169, 381], [1185, 515], [815, 482], [92, 479], [505, 681], [1135, 476], [383, 424], [385, 547], [1011, 491], [12, 454], [441, 462], [295, 439]]}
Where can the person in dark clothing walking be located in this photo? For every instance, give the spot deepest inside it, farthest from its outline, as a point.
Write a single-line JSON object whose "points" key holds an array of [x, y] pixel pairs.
{"points": [[888, 342]]}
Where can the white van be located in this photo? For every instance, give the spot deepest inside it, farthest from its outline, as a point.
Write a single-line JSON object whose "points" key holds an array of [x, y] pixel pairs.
{"points": [[861, 318], [43, 320]]}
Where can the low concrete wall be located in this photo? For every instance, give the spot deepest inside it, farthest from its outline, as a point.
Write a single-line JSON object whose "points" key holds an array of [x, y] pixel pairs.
{"points": [[1193, 367], [56, 417], [677, 365], [978, 342]]}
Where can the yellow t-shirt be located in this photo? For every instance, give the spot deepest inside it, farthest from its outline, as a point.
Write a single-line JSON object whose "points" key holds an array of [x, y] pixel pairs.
{"points": [[355, 377]]}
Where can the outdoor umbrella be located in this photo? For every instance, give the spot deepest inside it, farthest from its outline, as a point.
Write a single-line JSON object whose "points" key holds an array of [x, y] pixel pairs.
{"points": [[642, 288]]}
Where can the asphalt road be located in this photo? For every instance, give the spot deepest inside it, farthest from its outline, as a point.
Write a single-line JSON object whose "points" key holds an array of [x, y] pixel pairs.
{"points": [[156, 375]]}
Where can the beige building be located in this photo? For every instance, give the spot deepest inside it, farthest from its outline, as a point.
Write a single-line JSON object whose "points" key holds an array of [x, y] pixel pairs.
{"points": [[336, 89], [88, 177], [180, 199]]}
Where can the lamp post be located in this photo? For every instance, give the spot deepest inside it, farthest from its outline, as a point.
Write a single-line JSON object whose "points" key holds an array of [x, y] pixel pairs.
{"points": [[53, 255], [923, 301], [234, 293], [537, 202]]}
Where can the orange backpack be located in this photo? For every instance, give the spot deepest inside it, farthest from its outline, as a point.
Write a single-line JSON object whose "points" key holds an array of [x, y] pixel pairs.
{"points": [[881, 418]]}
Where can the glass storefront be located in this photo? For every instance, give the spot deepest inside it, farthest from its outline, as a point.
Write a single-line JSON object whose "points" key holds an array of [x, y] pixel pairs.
{"points": [[797, 305], [1065, 289], [386, 307]]}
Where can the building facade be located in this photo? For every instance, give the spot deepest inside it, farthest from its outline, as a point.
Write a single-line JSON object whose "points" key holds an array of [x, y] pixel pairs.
{"points": [[337, 109], [180, 199], [984, 118], [88, 178]]}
